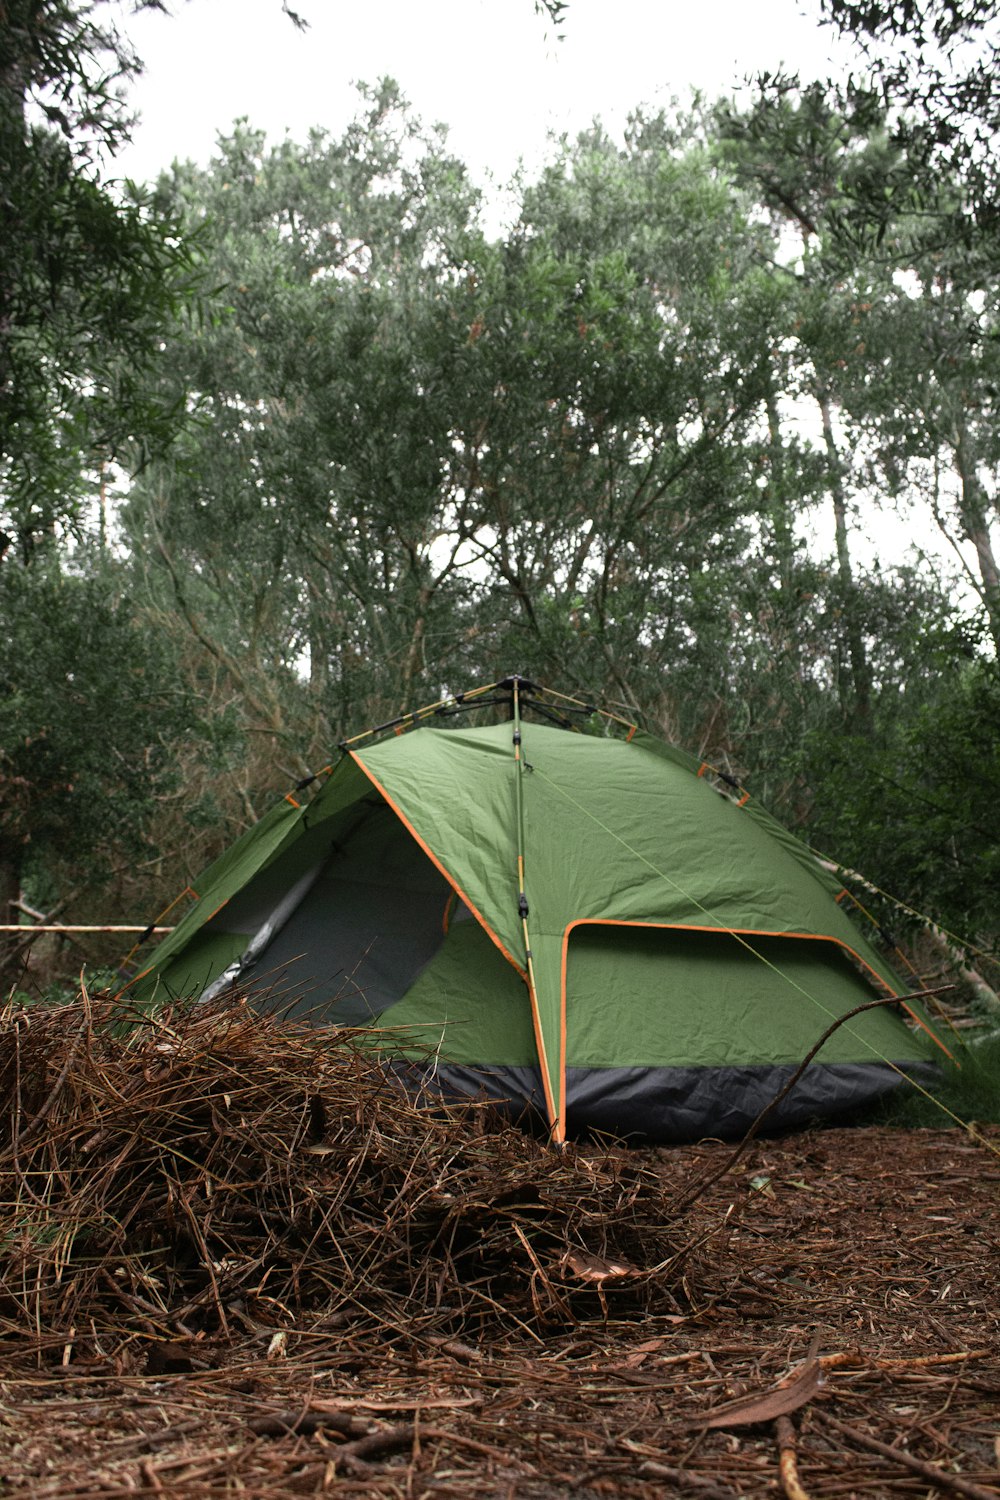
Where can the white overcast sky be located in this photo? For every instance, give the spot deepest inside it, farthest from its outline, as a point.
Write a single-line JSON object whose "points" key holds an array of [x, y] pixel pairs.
{"points": [[492, 70]]}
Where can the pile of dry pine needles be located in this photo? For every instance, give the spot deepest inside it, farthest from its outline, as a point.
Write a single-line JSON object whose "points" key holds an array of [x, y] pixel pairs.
{"points": [[236, 1257], [206, 1170]]}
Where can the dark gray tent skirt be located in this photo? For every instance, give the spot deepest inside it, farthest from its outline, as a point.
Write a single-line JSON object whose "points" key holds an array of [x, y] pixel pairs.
{"points": [[670, 1104]]}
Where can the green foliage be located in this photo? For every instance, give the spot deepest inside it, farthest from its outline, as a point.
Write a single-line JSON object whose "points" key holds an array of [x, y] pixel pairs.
{"points": [[90, 705], [938, 61], [897, 311], [87, 279], [69, 60], [426, 442], [916, 801], [968, 1088]]}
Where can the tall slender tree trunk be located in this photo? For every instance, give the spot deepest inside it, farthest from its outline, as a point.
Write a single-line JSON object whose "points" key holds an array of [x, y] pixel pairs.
{"points": [[319, 647], [974, 511], [852, 637], [780, 516], [413, 661], [10, 891]]}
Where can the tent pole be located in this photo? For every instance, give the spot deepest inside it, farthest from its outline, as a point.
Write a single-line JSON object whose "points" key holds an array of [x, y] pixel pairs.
{"points": [[557, 1133]]}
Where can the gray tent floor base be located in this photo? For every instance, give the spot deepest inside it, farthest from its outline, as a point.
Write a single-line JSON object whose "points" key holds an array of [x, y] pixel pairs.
{"points": [[667, 1105]]}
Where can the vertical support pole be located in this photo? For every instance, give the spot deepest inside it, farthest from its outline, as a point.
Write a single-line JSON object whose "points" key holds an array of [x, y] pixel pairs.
{"points": [[552, 1105]]}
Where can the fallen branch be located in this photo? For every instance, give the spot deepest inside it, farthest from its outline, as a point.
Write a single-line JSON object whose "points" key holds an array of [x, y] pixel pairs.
{"points": [[931, 1472], [305, 1422], [787, 1465], [355, 1457], [855, 1358], [685, 1480]]}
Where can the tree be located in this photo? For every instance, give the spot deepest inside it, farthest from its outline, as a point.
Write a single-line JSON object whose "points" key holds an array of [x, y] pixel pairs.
{"points": [[894, 335], [899, 326], [444, 454], [938, 60], [320, 437], [913, 805], [91, 706], [811, 164], [623, 340], [86, 281]]}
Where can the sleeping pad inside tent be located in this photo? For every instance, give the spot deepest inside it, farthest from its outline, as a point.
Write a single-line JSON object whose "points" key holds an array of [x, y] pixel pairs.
{"points": [[579, 926]]}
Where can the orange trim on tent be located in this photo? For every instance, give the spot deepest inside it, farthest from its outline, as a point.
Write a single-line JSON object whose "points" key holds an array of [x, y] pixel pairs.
{"points": [[449, 907], [437, 864], [814, 937], [188, 890], [291, 799]]}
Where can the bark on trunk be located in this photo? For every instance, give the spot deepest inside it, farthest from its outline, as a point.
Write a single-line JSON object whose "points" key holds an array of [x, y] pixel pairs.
{"points": [[780, 515], [11, 961], [975, 516], [852, 636]]}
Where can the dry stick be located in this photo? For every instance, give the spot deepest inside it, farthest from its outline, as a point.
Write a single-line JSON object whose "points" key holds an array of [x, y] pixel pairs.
{"points": [[855, 1357], [731, 1161], [71, 927], [787, 1467], [294, 1423], [685, 1479], [390, 1439], [463, 1352], [356, 1465], [930, 1472]]}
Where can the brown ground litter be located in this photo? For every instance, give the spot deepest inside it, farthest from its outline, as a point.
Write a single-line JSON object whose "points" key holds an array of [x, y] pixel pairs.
{"points": [[239, 1261]]}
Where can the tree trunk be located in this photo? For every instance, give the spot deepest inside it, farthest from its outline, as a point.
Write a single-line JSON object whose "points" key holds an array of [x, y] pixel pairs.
{"points": [[11, 961], [780, 516], [851, 634], [974, 511], [413, 662]]}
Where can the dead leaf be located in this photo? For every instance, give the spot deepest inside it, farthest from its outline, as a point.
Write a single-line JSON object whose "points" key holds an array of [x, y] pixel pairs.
{"points": [[595, 1268], [779, 1401]]}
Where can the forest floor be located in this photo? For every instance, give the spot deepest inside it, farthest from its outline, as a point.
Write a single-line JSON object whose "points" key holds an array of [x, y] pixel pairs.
{"points": [[841, 1298]]}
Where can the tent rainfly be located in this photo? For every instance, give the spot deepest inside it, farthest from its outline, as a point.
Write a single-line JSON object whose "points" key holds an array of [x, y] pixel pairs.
{"points": [[581, 926]]}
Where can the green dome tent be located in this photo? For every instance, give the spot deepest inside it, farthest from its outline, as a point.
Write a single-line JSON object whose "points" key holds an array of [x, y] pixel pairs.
{"points": [[578, 925]]}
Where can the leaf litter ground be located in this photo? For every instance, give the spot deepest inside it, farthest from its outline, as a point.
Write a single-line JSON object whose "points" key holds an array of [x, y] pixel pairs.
{"points": [[239, 1260]]}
